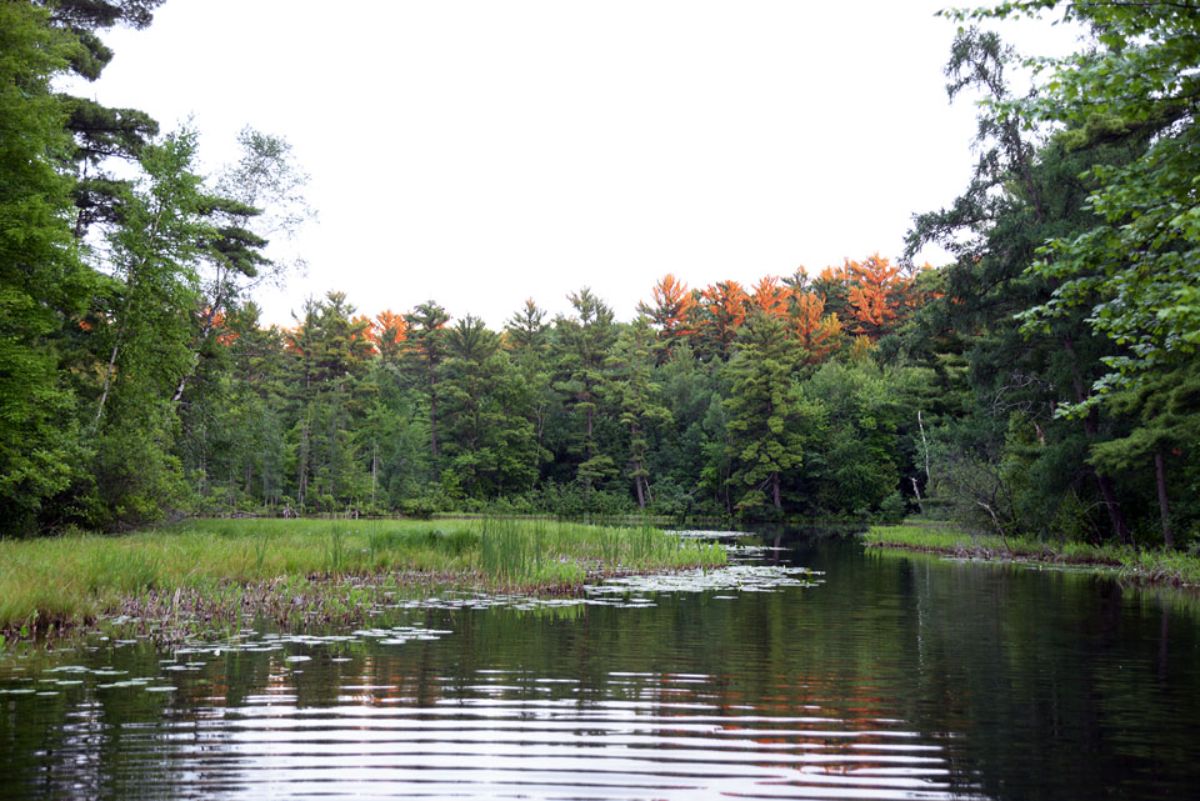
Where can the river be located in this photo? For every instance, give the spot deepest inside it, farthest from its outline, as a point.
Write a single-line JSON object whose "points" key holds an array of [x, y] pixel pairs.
{"points": [[874, 676]]}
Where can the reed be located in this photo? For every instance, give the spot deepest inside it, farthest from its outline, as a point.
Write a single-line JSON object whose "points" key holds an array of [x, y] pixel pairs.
{"points": [[75, 579]]}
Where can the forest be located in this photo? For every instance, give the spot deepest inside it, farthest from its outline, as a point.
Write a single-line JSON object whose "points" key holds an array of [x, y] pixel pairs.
{"points": [[1043, 382]]}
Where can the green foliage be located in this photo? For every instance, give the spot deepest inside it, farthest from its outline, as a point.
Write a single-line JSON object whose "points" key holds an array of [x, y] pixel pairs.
{"points": [[1072, 257], [638, 399], [43, 285], [856, 442], [1138, 269], [582, 344], [142, 384], [768, 422], [490, 447], [147, 335]]}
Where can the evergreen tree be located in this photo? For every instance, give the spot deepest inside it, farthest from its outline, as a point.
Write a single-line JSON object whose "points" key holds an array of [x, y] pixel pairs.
{"points": [[489, 441], [425, 350], [637, 396], [583, 343], [767, 420]]}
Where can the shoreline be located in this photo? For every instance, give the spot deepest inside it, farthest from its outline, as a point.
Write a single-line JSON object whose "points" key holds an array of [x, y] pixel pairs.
{"points": [[1140, 567], [214, 576]]}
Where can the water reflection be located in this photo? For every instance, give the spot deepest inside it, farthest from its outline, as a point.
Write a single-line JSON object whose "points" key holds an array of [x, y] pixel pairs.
{"points": [[884, 677]]}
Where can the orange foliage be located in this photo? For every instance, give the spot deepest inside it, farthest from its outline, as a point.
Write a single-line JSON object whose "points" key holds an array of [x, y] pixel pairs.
{"points": [[816, 331], [360, 330], [834, 275], [877, 296], [388, 328], [672, 307], [223, 335], [723, 309], [386, 332], [727, 301], [771, 297]]}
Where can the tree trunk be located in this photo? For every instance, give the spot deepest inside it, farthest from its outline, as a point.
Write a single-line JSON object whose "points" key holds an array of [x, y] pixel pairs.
{"points": [[917, 493], [433, 443], [637, 482], [1103, 483], [776, 493], [1115, 516], [924, 447], [1164, 510], [108, 374], [302, 479]]}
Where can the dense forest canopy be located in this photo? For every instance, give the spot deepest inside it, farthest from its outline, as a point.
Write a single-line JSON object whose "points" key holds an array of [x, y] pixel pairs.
{"points": [[1044, 382]]}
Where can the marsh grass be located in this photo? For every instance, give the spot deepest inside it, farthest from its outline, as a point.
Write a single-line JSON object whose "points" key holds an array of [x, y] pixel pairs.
{"points": [[1138, 566], [72, 580]]}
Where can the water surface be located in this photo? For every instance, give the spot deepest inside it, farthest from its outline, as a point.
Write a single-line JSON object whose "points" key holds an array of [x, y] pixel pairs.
{"points": [[884, 676]]}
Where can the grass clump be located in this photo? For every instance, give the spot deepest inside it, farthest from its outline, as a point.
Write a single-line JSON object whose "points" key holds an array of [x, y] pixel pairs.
{"points": [[536, 553], [1137, 566], [222, 566]]}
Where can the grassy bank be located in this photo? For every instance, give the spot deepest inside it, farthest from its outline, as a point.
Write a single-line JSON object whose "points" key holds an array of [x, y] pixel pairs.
{"points": [[303, 571], [1144, 567]]}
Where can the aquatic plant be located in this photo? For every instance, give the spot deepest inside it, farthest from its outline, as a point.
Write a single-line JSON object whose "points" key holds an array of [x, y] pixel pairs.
{"points": [[218, 568]]}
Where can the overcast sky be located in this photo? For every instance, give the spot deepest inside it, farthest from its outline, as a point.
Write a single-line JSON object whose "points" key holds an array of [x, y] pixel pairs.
{"points": [[478, 153]]}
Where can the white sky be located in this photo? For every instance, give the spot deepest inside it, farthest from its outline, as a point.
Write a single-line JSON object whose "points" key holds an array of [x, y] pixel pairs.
{"points": [[478, 152]]}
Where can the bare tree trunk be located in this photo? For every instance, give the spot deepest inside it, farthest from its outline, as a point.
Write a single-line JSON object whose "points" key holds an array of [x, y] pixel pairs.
{"points": [[995, 521], [924, 448], [302, 479], [108, 374], [1164, 510], [917, 493], [205, 332], [776, 493], [374, 472]]}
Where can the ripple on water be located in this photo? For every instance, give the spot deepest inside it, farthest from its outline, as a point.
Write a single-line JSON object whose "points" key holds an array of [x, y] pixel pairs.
{"points": [[490, 732], [491, 740]]}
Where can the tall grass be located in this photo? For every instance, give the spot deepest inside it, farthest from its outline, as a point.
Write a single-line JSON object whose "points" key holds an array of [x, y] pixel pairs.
{"points": [[1143, 566], [537, 552], [72, 579]]}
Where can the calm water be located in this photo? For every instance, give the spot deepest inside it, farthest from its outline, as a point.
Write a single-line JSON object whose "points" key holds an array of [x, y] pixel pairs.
{"points": [[888, 677]]}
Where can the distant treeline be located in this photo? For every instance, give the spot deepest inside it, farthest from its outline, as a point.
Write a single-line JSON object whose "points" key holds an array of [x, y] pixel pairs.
{"points": [[1044, 382], [710, 402]]}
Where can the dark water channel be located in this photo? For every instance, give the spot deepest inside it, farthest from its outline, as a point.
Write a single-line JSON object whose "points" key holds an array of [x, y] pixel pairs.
{"points": [[888, 677]]}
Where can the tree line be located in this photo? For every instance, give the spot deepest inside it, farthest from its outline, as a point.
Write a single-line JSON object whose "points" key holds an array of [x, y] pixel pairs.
{"points": [[1044, 382], [706, 403]]}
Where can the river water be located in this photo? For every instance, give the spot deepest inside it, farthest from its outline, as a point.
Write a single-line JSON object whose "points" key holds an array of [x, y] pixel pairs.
{"points": [[878, 676]]}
